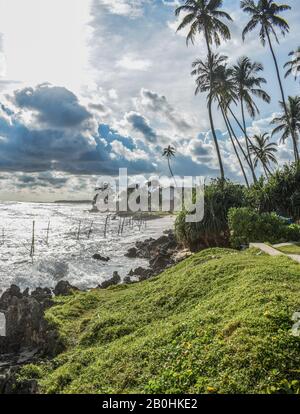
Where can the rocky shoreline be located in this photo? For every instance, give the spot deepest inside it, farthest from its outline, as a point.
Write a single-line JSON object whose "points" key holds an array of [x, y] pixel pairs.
{"points": [[29, 336]]}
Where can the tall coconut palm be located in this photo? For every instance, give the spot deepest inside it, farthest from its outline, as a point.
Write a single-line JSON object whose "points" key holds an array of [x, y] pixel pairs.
{"points": [[292, 121], [205, 17], [264, 152], [169, 153], [265, 14], [224, 92], [294, 64], [248, 85]]}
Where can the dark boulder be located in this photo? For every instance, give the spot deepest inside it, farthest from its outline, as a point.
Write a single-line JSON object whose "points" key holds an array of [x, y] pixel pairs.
{"points": [[101, 258], [132, 253], [26, 326], [6, 298], [127, 280], [115, 280], [63, 288]]}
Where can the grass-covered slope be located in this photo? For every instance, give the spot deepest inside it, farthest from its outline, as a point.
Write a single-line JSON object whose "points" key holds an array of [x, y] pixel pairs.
{"points": [[292, 249], [218, 322]]}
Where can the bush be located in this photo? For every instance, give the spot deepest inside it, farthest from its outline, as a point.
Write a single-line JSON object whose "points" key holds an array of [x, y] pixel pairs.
{"points": [[293, 233], [213, 230], [281, 193], [247, 225]]}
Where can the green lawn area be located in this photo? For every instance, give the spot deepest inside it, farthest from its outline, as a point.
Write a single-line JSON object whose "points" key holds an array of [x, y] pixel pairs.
{"points": [[293, 249], [219, 322]]}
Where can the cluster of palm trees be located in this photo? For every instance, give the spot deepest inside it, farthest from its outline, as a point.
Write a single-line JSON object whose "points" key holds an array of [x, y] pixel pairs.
{"points": [[235, 89]]}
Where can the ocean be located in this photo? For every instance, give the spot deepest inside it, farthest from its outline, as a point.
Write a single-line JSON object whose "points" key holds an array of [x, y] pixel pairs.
{"points": [[68, 253]]}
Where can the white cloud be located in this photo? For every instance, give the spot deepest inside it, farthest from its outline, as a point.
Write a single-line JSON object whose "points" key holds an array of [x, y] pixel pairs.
{"points": [[121, 151], [130, 8], [130, 62]]}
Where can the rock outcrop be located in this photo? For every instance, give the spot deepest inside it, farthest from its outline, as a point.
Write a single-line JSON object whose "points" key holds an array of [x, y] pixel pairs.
{"points": [[161, 254], [26, 326], [100, 258], [115, 280], [63, 288]]}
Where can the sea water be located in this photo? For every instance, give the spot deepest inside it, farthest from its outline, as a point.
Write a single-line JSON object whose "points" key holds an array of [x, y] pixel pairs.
{"points": [[68, 254]]}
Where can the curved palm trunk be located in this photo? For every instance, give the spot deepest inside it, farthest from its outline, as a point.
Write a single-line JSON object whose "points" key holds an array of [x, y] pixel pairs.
{"points": [[294, 138], [237, 141], [265, 170], [247, 142], [234, 147], [268, 169], [210, 113], [171, 172]]}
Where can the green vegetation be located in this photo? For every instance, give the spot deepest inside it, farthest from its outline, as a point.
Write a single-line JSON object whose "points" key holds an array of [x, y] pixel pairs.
{"points": [[212, 231], [264, 202], [219, 322], [246, 226], [291, 249]]}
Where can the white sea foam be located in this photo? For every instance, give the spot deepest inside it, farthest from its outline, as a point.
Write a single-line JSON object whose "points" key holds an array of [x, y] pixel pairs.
{"points": [[65, 258]]}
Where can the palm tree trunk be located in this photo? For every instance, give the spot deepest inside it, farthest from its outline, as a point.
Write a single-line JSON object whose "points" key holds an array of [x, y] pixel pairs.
{"points": [[294, 138], [268, 170], [237, 141], [247, 141], [210, 112], [265, 170], [234, 147], [171, 172]]}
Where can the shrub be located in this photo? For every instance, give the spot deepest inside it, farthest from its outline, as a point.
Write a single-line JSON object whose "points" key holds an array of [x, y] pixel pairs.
{"points": [[213, 230], [247, 225], [280, 194], [293, 233]]}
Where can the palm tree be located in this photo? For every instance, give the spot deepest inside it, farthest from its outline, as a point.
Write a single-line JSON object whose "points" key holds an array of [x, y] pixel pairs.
{"points": [[204, 17], [294, 64], [264, 152], [285, 124], [223, 92], [169, 153], [266, 15], [248, 84]]}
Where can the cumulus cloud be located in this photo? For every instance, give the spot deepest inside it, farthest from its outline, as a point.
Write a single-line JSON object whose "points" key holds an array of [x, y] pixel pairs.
{"points": [[130, 8], [131, 62], [121, 151], [60, 138], [52, 105], [138, 124], [158, 104]]}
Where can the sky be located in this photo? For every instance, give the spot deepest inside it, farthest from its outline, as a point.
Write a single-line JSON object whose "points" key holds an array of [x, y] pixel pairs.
{"points": [[91, 86]]}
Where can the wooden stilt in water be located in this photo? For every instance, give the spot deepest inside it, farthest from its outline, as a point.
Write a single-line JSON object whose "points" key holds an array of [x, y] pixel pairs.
{"points": [[105, 226], [90, 230], [32, 249], [48, 230], [79, 229]]}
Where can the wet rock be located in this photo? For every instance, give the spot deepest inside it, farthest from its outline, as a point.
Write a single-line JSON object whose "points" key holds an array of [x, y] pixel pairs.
{"points": [[26, 326], [41, 295], [143, 273], [115, 280], [101, 258], [127, 280], [132, 253], [149, 248], [6, 298], [63, 288], [160, 262]]}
